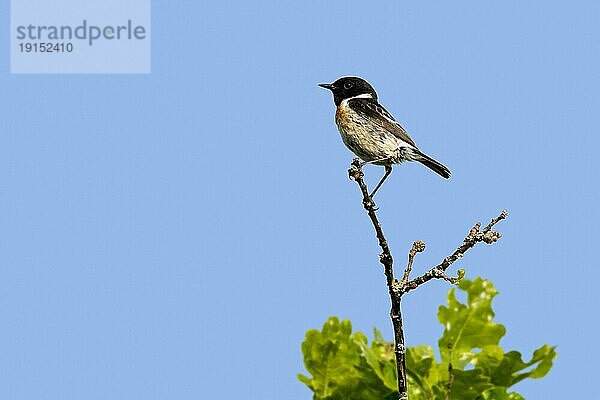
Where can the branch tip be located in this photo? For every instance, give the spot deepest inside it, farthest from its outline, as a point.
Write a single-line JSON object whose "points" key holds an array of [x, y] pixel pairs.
{"points": [[418, 246]]}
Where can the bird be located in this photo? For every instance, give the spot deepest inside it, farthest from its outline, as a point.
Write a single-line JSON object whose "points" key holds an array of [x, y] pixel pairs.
{"points": [[371, 132]]}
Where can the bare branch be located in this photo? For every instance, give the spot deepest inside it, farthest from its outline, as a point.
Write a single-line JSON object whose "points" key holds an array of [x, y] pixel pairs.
{"points": [[398, 289], [355, 172], [417, 247], [475, 235]]}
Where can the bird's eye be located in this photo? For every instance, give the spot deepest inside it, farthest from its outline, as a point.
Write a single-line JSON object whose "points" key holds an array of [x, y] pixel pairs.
{"points": [[347, 85]]}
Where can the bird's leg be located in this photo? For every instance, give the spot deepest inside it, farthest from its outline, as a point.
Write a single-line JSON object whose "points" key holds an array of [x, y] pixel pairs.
{"points": [[362, 164], [388, 171]]}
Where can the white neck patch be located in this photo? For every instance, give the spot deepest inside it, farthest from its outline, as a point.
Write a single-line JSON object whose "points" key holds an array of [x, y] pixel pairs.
{"points": [[360, 96]]}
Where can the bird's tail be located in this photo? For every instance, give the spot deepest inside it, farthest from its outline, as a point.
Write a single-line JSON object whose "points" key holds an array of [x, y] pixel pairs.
{"points": [[429, 162]]}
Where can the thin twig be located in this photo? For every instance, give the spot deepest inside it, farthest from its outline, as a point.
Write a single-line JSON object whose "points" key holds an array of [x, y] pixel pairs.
{"points": [[417, 247], [487, 235]]}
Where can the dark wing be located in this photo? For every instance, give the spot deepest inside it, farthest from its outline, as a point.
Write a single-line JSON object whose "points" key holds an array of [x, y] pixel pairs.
{"points": [[376, 113]]}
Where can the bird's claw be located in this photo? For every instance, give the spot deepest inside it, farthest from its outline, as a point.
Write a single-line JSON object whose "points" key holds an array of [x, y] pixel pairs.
{"points": [[355, 172]]}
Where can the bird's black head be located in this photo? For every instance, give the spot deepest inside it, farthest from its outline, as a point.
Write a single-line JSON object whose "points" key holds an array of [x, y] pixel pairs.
{"points": [[349, 86]]}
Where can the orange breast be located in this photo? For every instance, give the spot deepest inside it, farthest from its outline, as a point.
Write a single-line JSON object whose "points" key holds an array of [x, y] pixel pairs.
{"points": [[341, 117]]}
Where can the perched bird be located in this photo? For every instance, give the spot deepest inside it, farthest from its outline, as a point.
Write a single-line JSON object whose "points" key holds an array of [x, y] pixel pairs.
{"points": [[371, 132]]}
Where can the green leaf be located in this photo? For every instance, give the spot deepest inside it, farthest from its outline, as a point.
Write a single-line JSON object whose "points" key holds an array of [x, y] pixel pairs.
{"points": [[468, 327], [377, 336], [337, 360], [420, 361], [381, 360], [512, 369], [468, 385], [329, 356], [500, 393]]}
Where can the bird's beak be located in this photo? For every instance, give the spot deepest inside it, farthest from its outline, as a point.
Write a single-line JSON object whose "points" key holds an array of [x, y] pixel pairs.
{"points": [[327, 86]]}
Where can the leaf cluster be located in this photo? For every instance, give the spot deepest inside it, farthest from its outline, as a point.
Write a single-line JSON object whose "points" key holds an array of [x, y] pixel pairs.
{"points": [[471, 364]]}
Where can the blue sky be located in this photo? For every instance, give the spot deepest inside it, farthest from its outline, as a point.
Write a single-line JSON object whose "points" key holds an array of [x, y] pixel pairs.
{"points": [[173, 235]]}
